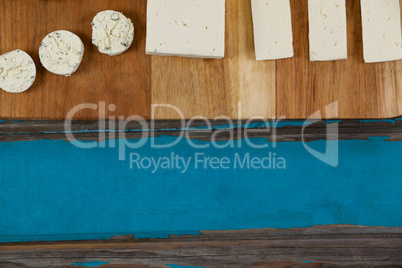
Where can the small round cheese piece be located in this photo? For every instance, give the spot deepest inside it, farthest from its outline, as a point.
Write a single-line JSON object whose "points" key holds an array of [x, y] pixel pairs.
{"points": [[17, 71], [112, 32], [61, 52]]}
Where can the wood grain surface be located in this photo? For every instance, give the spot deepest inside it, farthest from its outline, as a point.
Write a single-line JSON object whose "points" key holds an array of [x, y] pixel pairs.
{"points": [[121, 80], [362, 90], [391, 130], [323, 246], [235, 87]]}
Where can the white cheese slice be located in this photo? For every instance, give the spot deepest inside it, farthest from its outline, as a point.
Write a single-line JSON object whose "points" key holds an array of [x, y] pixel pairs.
{"points": [[112, 32], [17, 71], [61, 52], [187, 28], [273, 37], [328, 30], [382, 37]]}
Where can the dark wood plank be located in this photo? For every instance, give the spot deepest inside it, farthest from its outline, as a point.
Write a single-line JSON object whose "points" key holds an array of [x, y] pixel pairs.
{"points": [[325, 246], [390, 129]]}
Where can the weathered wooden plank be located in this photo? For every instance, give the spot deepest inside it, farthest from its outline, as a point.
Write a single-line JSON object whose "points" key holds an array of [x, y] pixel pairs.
{"points": [[219, 130], [325, 246]]}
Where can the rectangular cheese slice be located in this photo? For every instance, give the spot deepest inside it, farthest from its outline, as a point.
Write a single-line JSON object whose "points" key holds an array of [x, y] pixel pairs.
{"points": [[187, 28], [273, 37], [382, 38], [327, 30]]}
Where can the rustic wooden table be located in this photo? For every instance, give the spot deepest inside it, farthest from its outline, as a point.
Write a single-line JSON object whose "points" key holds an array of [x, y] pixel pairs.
{"points": [[39, 200], [63, 206]]}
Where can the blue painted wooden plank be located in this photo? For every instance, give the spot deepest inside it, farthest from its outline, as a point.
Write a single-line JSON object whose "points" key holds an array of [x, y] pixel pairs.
{"points": [[89, 264], [179, 266], [51, 190]]}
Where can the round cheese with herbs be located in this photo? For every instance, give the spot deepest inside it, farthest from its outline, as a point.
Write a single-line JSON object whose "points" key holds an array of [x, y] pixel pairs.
{"points": [[112, 32], [61, 52], [17, 71]]}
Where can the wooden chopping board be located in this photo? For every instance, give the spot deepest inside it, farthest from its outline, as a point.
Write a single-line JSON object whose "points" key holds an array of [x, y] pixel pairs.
{"points": [[235, 87]]}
